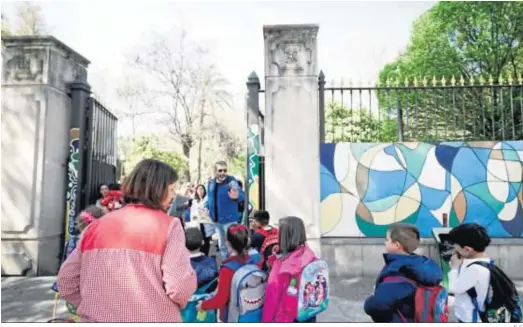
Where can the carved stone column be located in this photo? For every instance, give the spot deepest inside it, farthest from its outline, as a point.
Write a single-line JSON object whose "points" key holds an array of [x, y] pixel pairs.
{"points": [[292, 166], [35, 145]]}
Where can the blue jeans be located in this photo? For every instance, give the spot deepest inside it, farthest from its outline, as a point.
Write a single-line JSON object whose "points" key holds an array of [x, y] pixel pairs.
{"points": [[221, 230]]}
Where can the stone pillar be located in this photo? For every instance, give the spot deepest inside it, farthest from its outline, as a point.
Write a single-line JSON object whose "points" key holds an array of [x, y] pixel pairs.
{"points": [[35, 146], [292, 163]]}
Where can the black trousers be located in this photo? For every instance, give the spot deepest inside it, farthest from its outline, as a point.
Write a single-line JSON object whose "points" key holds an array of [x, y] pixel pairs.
{"points": [[206, 247]]}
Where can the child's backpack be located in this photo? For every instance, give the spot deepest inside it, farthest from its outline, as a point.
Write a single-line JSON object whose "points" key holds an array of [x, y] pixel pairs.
{"points": [[307, 294], [247, 292], [267, 247], [430, 302], [191, 314], [503, 303]]}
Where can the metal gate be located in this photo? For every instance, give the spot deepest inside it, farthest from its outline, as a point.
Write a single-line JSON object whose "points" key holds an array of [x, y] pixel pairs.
{"points": [[101, 150]]}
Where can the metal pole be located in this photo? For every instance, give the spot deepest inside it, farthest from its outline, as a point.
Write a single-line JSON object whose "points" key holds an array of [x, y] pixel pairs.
{"points": [[321, 104], [252, 110]]}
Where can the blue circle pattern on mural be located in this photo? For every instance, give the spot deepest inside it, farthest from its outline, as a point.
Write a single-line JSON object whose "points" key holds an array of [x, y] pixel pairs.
{"points": [[477, 182]]}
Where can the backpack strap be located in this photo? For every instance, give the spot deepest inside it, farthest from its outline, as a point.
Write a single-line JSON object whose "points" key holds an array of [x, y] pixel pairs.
{"points": [[234, 265], [204, 288], [400, 279], [471, 292]]}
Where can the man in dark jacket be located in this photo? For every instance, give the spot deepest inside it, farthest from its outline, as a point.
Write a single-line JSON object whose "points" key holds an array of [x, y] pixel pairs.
{"points": [[393, 301], [223, 196]]}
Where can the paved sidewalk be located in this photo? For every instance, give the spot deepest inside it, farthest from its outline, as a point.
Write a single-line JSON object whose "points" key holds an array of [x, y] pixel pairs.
{"points": [[26, 299]]}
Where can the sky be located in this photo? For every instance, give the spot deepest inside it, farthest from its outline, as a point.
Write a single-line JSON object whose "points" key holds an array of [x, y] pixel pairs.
{"points": [[355, 39]]}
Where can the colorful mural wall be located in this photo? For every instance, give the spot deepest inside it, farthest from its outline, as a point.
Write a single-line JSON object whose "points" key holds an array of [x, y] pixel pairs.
{"points": [[253, 161], [367, 186], [72, 183]]}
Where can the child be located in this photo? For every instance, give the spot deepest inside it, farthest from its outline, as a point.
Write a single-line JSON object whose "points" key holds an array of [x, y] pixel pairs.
{"points": [[85, 218], [264, 236], [471, 241], [205, 267], [393, 301], [114, 199], [292, 256], [237, 243]]}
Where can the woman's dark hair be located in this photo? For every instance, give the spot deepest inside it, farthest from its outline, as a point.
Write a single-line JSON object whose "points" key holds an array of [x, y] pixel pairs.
{"points": [[292, 234], [196, 195], [99, 192], [472, 235], [193, 239], [238, 237], [148, 183]]}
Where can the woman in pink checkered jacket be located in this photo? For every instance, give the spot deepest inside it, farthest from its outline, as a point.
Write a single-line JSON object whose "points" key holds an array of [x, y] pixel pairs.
{"points": [[132, 264]]}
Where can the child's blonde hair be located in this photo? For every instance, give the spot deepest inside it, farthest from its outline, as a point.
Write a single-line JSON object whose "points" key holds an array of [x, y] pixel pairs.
{"points": [[88, 216]]}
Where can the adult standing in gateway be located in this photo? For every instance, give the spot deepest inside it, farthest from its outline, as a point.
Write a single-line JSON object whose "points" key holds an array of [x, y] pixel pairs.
{"points": [[224, 194]]}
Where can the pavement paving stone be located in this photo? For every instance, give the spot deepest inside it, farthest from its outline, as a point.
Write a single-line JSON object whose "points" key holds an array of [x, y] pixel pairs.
{"points": [[30, 299]]}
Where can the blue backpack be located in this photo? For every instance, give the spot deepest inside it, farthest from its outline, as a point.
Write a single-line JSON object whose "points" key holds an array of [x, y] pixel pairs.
{"points": [[191, 314], [247, 291]]}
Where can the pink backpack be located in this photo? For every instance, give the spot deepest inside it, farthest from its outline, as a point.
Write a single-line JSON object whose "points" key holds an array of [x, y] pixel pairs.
{"points": [[307, 293]]}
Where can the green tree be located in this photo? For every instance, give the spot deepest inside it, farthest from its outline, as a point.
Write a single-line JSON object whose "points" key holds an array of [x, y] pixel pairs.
{"points": [[343, 124], [146, 147], [461, 39], [5, 26]]}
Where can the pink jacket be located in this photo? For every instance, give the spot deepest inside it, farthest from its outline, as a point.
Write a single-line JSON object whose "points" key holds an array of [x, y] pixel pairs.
{"points": [[282, 269]]}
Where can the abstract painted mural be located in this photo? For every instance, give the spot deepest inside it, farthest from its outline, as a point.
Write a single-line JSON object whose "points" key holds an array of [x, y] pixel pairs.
{"points": [[253, 161], [365, 187], [72, 183]]}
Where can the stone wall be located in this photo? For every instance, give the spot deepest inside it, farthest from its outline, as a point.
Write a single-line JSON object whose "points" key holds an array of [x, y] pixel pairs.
{"points": [[356, 257], [35, 145]]}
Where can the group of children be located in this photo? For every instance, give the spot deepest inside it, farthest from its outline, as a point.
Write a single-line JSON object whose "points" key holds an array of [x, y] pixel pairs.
{"points": [[271, 275], [408, 287]]}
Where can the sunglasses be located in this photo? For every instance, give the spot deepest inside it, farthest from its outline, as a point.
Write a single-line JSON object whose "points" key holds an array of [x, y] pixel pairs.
{"points": [[222, 170]]}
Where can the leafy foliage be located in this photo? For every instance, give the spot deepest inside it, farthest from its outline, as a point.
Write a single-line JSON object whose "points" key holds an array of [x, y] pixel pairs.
{"points": [[146, 147], [467, 40], [343, 124]]}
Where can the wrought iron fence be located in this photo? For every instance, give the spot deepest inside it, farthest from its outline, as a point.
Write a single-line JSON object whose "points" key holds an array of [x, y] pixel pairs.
{"points": [[442, 109], [102, 155]]}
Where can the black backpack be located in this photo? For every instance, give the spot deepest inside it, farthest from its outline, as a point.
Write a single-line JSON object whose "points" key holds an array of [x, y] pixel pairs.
{"points": [[503, 303]]}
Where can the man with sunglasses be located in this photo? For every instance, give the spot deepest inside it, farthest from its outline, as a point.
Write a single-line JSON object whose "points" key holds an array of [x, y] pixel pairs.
{"points": [[223, 196]]}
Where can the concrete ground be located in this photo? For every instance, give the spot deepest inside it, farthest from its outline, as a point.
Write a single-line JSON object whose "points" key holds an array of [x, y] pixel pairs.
{"points": [[30, 299]]}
